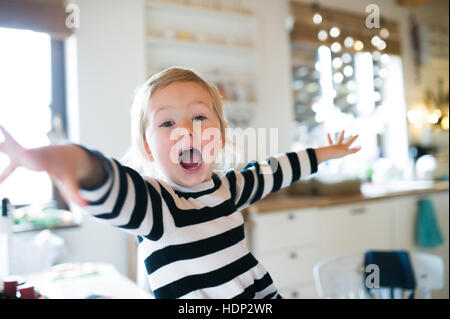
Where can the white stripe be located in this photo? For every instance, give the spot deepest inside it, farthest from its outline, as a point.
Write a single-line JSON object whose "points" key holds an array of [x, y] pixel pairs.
{"points": [[203, 264], [304, 163], [267, 174], [231, 288], [286, 168]]}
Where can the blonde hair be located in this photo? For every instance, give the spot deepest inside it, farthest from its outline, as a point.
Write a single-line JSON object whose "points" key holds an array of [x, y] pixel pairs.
{"points": [[137, 156]]}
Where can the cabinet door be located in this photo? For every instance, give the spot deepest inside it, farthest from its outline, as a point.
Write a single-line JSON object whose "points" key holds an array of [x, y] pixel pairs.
{"points": [[307, 291], [291, 266], [280, 230], [357, 227]]}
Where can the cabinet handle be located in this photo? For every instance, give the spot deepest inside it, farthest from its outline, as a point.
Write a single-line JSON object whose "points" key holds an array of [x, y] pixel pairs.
{"points": [[291, 216], [293, 255], [295, 294], [357, 211]]}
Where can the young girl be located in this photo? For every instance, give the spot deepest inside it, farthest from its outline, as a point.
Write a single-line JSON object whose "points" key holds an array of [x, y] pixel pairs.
{"points": [[188, 221]]}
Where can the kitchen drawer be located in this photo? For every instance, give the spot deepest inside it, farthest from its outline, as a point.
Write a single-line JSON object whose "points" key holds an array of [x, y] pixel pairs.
{"points": [[358, 227], [291, 265], [280, 230], [305, 291]]}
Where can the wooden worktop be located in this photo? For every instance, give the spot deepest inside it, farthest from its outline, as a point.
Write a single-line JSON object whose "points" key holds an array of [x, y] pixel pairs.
{"points": [[283, 201]]}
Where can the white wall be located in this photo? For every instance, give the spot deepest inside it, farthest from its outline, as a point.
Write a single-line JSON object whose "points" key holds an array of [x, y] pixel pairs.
{"points": [[110, 64]]}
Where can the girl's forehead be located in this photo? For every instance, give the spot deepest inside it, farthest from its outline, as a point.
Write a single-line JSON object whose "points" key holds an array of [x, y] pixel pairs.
{"points": [[179, 94]]}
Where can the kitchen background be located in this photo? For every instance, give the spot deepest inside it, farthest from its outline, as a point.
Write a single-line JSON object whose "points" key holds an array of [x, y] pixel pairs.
{"points": [[303, 67]]}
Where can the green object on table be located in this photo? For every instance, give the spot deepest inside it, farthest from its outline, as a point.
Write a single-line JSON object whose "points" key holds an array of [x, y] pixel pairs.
{"points": [[428, 234]]}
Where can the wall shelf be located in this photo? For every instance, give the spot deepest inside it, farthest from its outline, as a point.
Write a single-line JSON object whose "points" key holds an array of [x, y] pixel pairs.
{"points": [[197, 9], [191, 44]]}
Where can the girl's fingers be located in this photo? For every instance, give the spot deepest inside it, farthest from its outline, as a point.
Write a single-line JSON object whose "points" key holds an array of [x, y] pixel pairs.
{"points": [[7, 171], [69, 190], [330, 141], [341, 137], [354, 149], [73, 193], [350, 141]]}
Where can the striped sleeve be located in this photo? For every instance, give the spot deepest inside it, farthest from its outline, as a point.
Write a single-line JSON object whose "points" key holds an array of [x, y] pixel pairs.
{"points": [[257, 179], [124, 199]]}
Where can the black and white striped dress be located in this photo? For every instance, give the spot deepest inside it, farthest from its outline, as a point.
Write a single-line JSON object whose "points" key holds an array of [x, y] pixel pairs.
{"points": [[193, 238]]}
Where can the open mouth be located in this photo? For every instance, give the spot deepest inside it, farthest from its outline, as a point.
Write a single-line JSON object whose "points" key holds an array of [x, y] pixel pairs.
{"points": [[190, 159]]}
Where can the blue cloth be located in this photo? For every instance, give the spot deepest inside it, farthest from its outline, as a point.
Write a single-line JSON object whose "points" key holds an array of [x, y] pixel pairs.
{"points": [[395, 269], [428, 234]]}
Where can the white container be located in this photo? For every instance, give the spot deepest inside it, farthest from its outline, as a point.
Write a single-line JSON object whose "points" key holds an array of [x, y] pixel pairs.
{"points": [[5, 245]]}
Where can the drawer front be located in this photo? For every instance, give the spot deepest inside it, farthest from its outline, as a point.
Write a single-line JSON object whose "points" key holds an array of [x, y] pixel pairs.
{"points": [[279, 230], [358, 227], [291, 266], [307, 291]]}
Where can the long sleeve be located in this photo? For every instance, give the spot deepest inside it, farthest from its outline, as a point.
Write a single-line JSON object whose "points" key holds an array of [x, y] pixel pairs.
{"points": [[257, 179], [125, 199]]}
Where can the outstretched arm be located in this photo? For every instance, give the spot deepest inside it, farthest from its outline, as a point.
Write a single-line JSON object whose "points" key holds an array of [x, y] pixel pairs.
{"points": [[100, 186], [258, 179]]}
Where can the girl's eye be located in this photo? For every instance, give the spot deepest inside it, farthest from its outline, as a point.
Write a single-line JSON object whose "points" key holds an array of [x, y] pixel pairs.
{"points": [[199, 118], [167, 124]]}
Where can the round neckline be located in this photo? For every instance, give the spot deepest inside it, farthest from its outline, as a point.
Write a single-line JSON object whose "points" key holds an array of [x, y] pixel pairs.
{"points": [[206, 185]]}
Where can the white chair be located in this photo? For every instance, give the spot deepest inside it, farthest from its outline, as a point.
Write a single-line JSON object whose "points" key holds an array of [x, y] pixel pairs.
{"points": [[343, 277]]}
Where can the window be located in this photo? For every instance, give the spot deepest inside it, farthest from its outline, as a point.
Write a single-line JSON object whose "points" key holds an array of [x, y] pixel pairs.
{"points": [[25, 99], [360, 92]]}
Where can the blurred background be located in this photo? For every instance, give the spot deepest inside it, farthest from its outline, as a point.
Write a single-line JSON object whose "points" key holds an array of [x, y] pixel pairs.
{"points": [[69, 69]]}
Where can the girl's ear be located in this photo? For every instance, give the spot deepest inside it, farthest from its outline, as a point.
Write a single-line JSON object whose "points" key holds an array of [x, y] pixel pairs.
{"points": [[148, 151]]}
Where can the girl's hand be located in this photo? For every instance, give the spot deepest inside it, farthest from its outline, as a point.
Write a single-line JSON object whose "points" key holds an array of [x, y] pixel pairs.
{"points": [[60, 162], [341, 149], [338, 150]]}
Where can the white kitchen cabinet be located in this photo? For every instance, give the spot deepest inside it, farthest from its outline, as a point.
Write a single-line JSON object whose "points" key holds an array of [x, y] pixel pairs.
{"points": [[357, 227], [306, 291], [289, 243]]}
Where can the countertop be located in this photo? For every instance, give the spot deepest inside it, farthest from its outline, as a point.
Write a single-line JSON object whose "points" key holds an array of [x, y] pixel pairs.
{"points": [[369, 191]]}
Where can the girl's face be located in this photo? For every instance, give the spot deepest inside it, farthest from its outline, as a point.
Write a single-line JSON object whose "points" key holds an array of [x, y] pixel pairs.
{"points": [[183, 133]]}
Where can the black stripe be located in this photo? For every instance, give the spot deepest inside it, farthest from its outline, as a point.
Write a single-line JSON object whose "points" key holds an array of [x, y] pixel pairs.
{"points": [[249, 182], [258, 285], [140, 203], [259, 175], [277, 173], [231, 176], [295, 165], [217, 184], [194, 249], [157, 227], [269, 296], [188, 217], [109, 172], [213, 278], [312, 159], [123, 189]]}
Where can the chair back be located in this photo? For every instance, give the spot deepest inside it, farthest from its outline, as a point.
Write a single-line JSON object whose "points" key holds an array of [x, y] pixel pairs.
{"points": [[343, 277]]}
